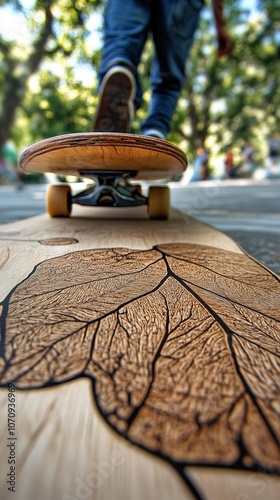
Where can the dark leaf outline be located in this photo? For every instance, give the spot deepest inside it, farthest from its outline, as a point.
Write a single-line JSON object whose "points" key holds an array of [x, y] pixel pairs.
{"points": [[181, 343]]}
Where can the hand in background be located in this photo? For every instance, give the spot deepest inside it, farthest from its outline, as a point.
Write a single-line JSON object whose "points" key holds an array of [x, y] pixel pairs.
{"points": [[225, 43]]}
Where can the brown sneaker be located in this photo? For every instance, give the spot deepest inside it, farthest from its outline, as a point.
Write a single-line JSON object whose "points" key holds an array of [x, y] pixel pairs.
{"points": [[115, 110]]}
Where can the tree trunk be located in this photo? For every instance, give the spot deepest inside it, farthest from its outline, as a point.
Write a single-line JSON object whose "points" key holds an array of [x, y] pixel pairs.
{"points": [[197, 136], [15, 86]]}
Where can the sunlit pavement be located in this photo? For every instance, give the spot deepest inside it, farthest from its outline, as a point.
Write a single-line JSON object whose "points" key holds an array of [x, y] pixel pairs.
{"points": [[247, 210]]}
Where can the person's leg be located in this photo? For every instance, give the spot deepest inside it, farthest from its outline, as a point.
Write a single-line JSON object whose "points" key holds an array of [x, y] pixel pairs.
{"points": [[126, 27], [173, 25]]}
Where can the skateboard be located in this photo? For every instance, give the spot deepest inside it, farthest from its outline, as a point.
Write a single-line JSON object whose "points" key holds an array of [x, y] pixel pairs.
{"points": [[112, 161], [139, 359]]}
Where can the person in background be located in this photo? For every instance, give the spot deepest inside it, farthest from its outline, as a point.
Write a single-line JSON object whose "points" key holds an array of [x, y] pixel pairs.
{"points": [[229, 168], [273, 155], [248, 168], [200, 165], [8, 163], [172, 24]]}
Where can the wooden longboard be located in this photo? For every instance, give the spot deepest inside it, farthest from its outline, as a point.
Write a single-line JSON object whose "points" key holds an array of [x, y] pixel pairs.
{"points": [[139, 359], [71, 154]]}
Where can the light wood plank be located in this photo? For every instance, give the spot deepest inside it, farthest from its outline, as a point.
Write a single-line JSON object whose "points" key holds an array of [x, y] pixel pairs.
{"points": [[148, 157], [63, 442]]}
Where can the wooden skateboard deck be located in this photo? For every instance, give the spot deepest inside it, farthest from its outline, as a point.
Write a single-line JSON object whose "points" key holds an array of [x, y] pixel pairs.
{"points": [[70, 154], [111, 160], [139, 360]]}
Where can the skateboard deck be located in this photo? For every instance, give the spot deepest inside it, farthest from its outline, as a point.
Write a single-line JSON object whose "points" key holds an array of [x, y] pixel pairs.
{"points": [[146, 157], [112, 160], [139, 359]]}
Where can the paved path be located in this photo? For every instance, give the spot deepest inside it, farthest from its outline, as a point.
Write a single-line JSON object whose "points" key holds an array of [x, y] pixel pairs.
{"points": [[249, 211]]}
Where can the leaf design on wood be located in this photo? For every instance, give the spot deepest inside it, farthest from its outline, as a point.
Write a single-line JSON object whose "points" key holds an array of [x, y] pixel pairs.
{"points": [[181, 341]]}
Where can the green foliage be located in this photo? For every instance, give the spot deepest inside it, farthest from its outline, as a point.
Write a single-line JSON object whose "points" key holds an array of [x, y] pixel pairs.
{"points": [[234, 101], [58, 106], [13, 3], [57, 28]]}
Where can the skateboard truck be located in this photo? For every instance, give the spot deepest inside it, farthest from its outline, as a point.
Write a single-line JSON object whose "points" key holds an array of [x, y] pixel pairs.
{"points": [[111, 189]]}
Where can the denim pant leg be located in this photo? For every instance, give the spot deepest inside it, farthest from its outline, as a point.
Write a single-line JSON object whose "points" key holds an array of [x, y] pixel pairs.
{"points": [[174, 23], [126, 27]]}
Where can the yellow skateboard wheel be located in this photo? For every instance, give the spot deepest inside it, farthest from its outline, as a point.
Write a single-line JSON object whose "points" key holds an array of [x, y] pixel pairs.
{"points": [[159, 202], [58, 200]]}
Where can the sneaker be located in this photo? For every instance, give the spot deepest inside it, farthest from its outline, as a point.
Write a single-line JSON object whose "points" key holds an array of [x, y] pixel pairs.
{"points": [[115, 110], [152, 132]]}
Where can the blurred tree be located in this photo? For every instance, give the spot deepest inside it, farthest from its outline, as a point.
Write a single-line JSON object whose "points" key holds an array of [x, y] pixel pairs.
{"points": [[56, 27], [57, 105], [253, 100], [231, 99]]}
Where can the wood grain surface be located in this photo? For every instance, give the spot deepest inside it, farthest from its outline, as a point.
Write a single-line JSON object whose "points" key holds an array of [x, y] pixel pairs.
{"points": [[152, 158], [145, 360]]}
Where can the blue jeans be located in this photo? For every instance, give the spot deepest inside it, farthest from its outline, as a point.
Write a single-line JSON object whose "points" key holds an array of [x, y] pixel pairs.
{"points": [[172, 24]]}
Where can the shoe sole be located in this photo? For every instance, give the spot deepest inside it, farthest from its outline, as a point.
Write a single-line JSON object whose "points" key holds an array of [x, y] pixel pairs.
{"points": [[115, 111]]}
